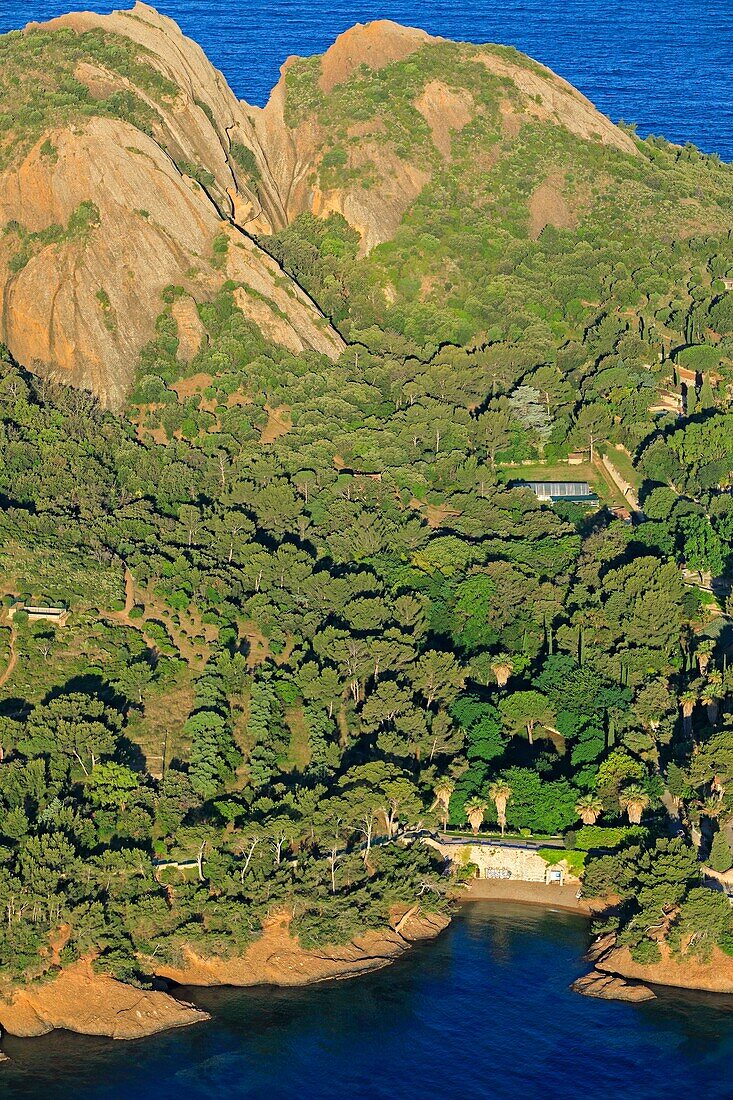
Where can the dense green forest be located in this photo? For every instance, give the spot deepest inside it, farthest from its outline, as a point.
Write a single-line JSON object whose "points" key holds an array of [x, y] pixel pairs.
{"points": [[313, 610]]}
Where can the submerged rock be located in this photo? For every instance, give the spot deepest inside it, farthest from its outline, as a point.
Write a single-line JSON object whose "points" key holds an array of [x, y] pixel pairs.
{"points": [[610, 988]]}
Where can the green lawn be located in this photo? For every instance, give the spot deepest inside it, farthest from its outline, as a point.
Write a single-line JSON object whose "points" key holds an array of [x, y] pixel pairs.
{"points": [[561, 471]]}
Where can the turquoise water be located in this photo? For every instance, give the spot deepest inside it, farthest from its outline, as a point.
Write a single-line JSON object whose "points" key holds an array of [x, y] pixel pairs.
{"points": [[664, 64], [483, 1012]]}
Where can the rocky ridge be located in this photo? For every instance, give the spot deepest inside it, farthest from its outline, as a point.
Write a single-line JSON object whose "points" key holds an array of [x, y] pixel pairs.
{"points": [[163, 204], [132, 220]]}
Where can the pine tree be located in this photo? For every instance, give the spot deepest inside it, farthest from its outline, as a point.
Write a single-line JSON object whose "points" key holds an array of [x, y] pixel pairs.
{"points": [[721, 858]]}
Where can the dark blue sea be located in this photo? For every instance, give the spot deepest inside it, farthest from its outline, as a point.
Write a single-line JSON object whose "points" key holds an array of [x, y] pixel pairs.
{"points": [[484, 1012], [666, 65]]}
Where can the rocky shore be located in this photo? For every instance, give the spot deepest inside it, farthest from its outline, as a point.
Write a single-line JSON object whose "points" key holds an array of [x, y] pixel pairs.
{"points": [[276, 958], [714, 975], [616, 975], [81, 1000]]}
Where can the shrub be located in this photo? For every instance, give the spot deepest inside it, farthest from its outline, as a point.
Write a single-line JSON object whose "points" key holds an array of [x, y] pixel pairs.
{"points": [[646, 953], [599, 838]]}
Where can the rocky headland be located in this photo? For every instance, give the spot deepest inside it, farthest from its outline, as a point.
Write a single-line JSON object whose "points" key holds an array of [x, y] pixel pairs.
{"points": [[81, 999]]}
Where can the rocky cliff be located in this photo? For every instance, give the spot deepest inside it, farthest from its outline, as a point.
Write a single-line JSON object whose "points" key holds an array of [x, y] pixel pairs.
{"points": [[134, 191], [276, 958], [713, 974]]}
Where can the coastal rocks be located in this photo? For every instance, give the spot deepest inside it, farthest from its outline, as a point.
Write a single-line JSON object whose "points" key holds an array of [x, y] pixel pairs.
{"points": [[93, 1004], [276, 958], [684, 971], [713, 975], [600, 946], [610, 988]]}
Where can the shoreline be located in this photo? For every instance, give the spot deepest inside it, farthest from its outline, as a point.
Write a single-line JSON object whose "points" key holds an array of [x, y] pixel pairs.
{"points": [[547, 895], [82, 1000], [116, 1010]]}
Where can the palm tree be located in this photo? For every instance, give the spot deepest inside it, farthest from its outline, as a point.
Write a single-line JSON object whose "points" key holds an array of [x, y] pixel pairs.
{"points": [[502, 667], [688, 702], [443, 790], [704, 652], [475, 809], [500, 792], [589, 808], [711, 694], [634, 800]]}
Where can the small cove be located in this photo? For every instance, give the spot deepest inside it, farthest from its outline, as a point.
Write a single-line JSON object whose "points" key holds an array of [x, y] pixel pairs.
{"points": [[483, 1011]]}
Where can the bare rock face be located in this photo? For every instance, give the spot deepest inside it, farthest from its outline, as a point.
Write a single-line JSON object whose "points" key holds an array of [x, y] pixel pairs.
{"points": [[93, 1004], [186, 127], [375, 45], [446, 111], [610, 988], [548, 97], [80, 307], [289, 157], [276, 958], [191, 330], [131, 222]]}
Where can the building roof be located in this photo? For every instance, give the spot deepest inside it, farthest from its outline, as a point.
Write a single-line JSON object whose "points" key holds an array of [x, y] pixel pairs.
{"points": [[561, 490]]}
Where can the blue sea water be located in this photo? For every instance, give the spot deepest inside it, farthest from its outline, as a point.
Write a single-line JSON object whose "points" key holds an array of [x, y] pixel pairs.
{"points": [[666, 65], [484, 1012]]}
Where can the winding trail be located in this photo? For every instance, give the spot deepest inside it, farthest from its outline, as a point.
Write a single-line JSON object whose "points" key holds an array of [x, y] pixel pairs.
{"points": [[12, 662]]}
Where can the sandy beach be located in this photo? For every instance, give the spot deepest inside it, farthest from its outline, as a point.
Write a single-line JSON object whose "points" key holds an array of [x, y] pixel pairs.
{"points": [[533, 893]]}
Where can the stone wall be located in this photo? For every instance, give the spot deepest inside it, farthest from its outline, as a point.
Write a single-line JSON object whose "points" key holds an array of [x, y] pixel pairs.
{"points": [[500, 861]]}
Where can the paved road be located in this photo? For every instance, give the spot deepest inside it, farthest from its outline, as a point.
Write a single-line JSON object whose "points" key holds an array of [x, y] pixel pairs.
{"points": [[490, 842]]}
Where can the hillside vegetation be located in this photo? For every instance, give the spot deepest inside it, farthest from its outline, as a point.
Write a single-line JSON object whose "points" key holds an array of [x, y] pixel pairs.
{"points": [[312, 606]]}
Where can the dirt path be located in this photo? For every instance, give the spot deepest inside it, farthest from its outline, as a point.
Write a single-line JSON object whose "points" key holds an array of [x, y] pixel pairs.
{"points": [[124, 616], [129, 592], [12, 662], [614, 478]]}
